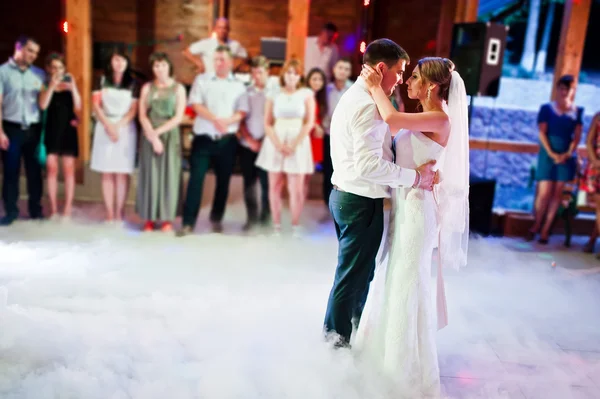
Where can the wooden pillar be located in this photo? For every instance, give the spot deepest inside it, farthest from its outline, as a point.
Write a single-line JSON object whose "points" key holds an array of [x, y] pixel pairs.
{"points": [[146, 33], [79, 64], [572, 39], [297, 29], [451, 12], [444, 34], [466, 11], [223, 8]]}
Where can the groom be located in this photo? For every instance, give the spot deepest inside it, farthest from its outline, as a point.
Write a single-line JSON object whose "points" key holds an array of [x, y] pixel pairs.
{"points": [[363, 172]]}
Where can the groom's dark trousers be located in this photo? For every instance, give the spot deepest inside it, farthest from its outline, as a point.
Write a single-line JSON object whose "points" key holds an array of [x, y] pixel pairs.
{"points": [[359, 228]]}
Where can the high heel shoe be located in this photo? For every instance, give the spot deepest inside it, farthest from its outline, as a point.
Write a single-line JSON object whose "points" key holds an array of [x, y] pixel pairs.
{"points": [[530, 236], [166, 227], [148, 226]]}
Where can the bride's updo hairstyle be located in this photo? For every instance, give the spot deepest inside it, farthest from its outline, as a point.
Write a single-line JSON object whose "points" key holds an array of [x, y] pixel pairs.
{"points": [[438, 71]]}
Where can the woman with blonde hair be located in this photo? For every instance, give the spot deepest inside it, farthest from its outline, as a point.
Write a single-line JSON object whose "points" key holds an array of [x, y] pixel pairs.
{"points": [[286, 153]]}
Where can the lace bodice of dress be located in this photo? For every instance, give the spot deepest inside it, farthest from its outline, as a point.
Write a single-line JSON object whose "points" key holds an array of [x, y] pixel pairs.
{"points": [[413, 149]]}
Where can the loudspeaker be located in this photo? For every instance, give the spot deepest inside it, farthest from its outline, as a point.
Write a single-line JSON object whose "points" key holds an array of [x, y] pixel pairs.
{"points": [[481, 203], [478, 52], [274, 49]]}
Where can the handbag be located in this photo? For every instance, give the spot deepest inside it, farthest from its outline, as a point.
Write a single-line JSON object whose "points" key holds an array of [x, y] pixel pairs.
{"points": [[40, 152]]}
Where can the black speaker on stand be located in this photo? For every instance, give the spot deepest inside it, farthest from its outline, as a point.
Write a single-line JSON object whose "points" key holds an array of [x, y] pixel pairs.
{"points": [[478, 53]]}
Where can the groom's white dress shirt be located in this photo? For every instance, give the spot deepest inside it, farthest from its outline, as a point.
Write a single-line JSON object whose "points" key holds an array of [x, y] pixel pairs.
{"points": [[361, 147]]}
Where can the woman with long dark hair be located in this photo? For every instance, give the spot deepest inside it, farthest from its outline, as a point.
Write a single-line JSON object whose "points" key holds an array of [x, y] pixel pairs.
{"points": [[316, 81], [115, 99]]}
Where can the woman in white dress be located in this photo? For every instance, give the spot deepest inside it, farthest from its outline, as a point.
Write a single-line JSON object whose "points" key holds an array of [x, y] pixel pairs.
{"points": [[397, 330], [115, 99], [286, 152]]}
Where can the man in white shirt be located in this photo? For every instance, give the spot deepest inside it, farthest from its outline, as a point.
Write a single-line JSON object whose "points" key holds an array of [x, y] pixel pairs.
{"points": [[206, 48], [321, 51], [363, 172], [219, 104]]}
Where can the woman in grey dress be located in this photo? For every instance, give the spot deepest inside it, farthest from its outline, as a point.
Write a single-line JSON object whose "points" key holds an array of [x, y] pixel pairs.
{"points": [[162, 105]]}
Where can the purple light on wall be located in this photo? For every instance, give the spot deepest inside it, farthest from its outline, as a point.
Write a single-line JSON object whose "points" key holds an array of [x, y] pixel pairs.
{"points": [[350, 44]]}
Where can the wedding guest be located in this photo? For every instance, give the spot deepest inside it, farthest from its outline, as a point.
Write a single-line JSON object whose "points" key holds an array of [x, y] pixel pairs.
{"points": [[341, 75], [20, 86], [316, 82], [322, 51], [161, 108], [60, 100], [115, 103], [202, 52], [219, 107], [286, 153], [560, 123], [251, 135], [591, 179]]}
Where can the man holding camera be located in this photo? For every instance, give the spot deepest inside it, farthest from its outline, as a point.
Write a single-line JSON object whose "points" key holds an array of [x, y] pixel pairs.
{"points": [[20, 85]]}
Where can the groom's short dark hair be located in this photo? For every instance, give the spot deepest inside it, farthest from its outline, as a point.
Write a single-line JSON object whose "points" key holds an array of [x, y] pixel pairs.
{"points": [[386, 51]]}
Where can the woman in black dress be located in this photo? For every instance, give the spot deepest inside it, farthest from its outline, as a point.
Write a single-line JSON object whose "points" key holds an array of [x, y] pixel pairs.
{"points": [[59, 99]]}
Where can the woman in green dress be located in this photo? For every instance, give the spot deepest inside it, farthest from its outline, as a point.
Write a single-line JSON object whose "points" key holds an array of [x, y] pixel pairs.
{"points": [[161, 109]]}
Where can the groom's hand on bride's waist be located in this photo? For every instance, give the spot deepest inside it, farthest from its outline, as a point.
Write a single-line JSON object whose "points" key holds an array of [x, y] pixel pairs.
{"points": [[426, 176]]}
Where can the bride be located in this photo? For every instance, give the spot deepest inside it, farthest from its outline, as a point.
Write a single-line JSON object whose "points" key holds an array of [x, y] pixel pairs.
{"points": [[397, 330]]}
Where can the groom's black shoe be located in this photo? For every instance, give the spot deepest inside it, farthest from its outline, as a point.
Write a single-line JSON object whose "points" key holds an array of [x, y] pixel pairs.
{"points": [[342, 345], [336, 340]]}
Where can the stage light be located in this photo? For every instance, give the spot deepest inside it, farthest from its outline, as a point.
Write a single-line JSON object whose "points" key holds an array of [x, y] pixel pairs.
{"points": [[366, 2], [363, 47], [65, 27]]}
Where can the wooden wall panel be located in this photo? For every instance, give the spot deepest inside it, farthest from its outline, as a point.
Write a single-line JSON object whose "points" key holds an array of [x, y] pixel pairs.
{"points": [[192, 18], [413, 24], [140, 20], [40, 19], [250, 20], [114, 21]]}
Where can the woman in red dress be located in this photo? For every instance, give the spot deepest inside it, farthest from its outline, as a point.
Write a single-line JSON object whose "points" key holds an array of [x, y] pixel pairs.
{"points": [[316, 81]]}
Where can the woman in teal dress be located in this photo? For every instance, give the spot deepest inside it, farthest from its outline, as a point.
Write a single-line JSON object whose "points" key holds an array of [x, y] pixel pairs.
{"points": [[161, 109], [560, 124]]}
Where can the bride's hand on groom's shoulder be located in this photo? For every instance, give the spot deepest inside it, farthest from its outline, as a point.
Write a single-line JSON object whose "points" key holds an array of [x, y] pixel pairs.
{"points": [[371, 76]]}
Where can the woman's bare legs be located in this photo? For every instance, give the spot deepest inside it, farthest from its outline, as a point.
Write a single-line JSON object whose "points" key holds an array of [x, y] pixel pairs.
{"points": [[68, 164]]}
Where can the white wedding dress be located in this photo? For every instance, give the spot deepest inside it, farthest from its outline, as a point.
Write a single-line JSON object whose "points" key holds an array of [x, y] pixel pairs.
{"points": [[397, 330]]}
